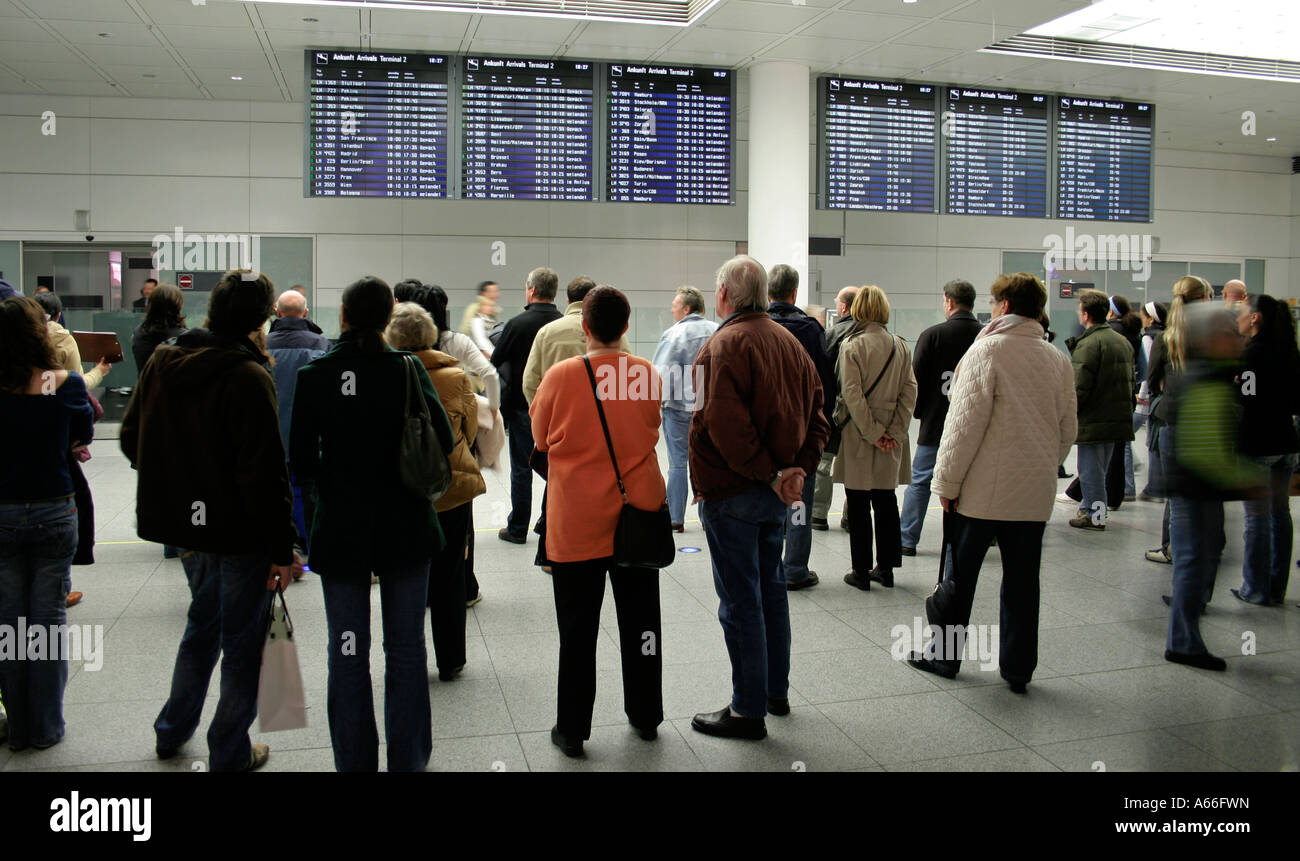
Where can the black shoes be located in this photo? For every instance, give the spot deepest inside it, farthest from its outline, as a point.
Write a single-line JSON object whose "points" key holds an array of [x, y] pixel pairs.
{"points": [[1061, 473], [806, 583], [451, 674], [165, 752], [505, 535], [570, 747], [908, 551], [939, 668], [883, 576], [778, 707], [1203, 661], [647, 733], [858, 581], [820, 524], [723, 725], [679, 527], [1017, 686]]}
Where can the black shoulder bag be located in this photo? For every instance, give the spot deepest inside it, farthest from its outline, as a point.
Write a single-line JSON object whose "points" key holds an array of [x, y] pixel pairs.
{"points": [[642, 539], [893, 342], [423, 466]]}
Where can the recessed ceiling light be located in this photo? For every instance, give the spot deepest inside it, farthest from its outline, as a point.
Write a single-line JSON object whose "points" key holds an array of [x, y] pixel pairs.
{"points": [[1270, 140], [236, 77]]}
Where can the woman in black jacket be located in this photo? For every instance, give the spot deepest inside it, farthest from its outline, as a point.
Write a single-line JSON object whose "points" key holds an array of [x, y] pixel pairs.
{"points": [[1267, 390], [162, 320], [1126, 322]]}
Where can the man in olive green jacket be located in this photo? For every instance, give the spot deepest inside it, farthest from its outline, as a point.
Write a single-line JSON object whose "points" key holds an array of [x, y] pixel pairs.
{"points": [[1103, 385]]}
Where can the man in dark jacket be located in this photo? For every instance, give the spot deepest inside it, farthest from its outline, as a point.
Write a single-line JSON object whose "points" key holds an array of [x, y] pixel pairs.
{"points": [[231, 509], [292, 344], [511, 357], [835, 336], [758, 430], [782, 285], [1103, 383], [938, 350]]}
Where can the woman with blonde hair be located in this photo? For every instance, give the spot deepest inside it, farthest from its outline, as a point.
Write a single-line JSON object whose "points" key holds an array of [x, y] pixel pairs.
{"points": [[877, 396]]}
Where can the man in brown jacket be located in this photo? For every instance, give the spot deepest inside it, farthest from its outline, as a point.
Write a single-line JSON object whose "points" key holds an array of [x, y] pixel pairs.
{"points": [[757, 431]]}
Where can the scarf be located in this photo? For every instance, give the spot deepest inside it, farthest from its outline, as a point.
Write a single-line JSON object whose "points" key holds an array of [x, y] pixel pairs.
{"points": [[1005, 323]]}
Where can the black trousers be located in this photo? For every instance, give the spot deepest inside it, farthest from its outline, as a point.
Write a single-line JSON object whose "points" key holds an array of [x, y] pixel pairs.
{"points": [[447, 589], [1020, 544], [471, 582], [579, 592], [859, 505]]}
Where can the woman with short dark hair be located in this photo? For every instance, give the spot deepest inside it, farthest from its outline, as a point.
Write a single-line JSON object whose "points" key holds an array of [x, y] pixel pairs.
{"points": [[348, 415], [582, 511], [162, 320], [46, 414]]}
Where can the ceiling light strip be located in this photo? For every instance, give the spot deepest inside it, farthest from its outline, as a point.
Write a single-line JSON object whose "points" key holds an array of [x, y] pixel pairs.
{"points": [[678, 13], [1147, 58]]}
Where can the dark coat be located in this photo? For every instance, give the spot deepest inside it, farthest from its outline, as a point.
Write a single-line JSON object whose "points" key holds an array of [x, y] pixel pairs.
{"points": [[813, 337], [201, 427], [1268, 398], [143, 343], [1103, 384], [759, 410], [938, 350], [296, 333], [345, 435], [512, 349]]}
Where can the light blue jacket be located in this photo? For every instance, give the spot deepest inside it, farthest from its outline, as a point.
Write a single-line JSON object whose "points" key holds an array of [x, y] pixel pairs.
{"points": [[675, 357]]}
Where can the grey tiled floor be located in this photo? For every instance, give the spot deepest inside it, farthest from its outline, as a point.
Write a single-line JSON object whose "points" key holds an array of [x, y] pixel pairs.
{"points": [[1103, 697]]}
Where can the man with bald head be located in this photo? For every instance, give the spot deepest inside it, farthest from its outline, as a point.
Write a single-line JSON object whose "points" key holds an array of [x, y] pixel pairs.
{"points": [[834, 335], [1233, 292], [291, 329]]}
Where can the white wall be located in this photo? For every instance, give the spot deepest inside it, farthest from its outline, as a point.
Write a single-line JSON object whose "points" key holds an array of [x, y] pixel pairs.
{"points": [[146, 166]]}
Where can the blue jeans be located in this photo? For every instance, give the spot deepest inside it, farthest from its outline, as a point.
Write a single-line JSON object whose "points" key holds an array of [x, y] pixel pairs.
{"points": [[403, 594], [228, 615], [798, 534], [677, 426], [37, 542], [1094, 460], [520, 430], [745, 534], [916, 499], [1194, 529], [1130, 486], [1267, 567]]}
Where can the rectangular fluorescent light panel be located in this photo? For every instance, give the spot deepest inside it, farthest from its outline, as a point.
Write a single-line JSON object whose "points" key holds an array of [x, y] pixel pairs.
{"points": [[676, 13]]}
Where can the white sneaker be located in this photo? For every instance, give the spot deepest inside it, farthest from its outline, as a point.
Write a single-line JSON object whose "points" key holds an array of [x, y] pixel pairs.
{"points": [[1061, 497]]}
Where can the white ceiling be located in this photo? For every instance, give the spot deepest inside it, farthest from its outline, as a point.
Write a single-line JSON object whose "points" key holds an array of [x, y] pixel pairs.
{"points": [[189, 49]]}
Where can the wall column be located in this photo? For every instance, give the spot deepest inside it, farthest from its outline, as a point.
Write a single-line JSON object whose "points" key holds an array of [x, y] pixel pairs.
{"points": [[779, 123]]}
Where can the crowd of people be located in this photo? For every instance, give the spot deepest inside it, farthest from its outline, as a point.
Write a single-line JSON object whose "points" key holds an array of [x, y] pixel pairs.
{"points": [[761, 414]]}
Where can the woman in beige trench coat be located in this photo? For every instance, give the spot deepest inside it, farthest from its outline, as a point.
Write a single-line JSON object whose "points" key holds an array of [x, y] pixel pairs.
{"points": [[877, 396]]}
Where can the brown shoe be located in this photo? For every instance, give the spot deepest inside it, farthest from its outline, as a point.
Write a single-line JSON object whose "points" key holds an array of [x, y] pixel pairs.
{"points": [[260, 754], [860, 581], [74, 598], [1084, 521]]}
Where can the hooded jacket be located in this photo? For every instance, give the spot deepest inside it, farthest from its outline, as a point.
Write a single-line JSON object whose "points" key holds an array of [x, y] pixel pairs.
{"points": [[201, 429], [461, 404]]}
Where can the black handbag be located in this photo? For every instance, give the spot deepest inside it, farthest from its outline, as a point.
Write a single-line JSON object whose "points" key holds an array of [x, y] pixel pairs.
{"points": [[423, 465], [642, 539]]}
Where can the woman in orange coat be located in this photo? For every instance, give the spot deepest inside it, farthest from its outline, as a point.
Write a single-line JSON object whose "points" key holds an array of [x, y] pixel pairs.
{"points": [[413, 329], [582, 509]]}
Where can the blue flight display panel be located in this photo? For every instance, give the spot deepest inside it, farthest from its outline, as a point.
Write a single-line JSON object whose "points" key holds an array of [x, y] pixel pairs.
{"points": [[376, 124], [526, 129], [1103, 159], [669, 134], [877, 145], [996, 151]]}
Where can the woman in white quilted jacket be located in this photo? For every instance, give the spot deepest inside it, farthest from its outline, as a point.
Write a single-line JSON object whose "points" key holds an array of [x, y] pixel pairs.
{"points": [[877, 396], [1011, 421]]}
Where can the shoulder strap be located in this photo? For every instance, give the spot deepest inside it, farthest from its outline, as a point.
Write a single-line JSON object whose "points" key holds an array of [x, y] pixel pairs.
{"points": [[591, 375], [893, 340]]}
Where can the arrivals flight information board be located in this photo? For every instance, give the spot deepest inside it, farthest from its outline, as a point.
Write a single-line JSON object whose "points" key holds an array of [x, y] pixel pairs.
{"points": [[877, 145], [669, 134], [1103, 159], [526, 129], [995, 145], [376, 124]]}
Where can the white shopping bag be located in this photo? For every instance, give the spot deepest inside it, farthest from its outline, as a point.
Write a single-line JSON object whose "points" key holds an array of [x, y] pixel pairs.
{"points": [[281, 703]]}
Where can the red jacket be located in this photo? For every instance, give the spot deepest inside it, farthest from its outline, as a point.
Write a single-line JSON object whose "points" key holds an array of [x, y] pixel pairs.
{"points": [[759, 408]]}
